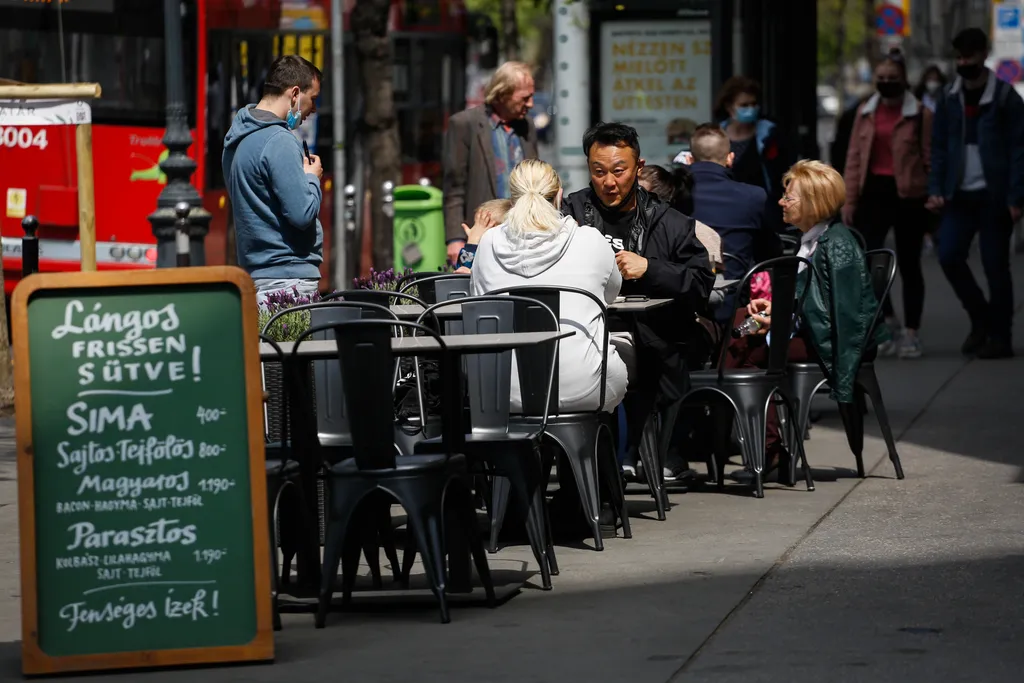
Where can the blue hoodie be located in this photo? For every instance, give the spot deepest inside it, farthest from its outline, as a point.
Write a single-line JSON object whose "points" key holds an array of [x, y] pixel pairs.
{"points": [[275, 202]]}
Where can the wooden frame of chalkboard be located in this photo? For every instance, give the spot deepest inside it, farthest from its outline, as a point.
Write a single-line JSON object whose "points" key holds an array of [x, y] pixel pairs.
{"points": [[57, 640]]}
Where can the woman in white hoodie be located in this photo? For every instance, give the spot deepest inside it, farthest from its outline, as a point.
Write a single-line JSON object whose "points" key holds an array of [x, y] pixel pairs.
{"points": [[537, 246]]}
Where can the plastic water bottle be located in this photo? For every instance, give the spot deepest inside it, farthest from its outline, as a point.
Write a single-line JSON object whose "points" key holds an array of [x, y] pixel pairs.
{"points": [[748, 326]]}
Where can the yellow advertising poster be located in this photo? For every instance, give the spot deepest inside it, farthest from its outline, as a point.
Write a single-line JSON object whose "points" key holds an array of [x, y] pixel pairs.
{"points": [[656, 77], [17, 200]]}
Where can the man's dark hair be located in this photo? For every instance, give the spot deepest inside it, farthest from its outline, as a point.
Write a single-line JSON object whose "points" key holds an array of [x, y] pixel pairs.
{"points": [[614, 134], [289, 71], [970, 42]]}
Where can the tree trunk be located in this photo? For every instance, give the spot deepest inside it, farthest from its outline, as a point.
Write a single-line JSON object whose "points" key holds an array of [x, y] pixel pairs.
{"points": [[509, 30], [375, 60], [871, 35]]}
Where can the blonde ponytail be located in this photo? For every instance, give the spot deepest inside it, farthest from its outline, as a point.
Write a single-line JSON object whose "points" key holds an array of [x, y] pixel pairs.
{"points": [[534, 186]]}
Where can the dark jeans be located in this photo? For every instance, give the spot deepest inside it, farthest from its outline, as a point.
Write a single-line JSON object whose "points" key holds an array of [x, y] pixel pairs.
{"points": [[881, 208], [966, 214]]}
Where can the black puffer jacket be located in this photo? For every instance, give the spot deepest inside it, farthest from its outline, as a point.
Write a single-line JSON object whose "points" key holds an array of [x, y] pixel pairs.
{"points": [[677, 268]]}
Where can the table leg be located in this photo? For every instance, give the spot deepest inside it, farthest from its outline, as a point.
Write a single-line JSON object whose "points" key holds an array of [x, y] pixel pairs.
{"points": [[454, 436]]}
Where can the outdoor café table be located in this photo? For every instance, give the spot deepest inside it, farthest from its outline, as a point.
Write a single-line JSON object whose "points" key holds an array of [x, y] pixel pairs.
{"points": [[454, 310], [453, 430]]}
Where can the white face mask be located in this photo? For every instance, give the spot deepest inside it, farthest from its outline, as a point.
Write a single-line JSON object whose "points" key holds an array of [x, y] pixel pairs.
{"points": [[932, 86]]}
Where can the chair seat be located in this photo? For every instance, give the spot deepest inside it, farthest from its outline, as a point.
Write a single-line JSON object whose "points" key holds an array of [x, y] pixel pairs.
{"points": [[334, 441], [709, 378], [474, 443], [282, 468], [803, 367], [404, 465]]}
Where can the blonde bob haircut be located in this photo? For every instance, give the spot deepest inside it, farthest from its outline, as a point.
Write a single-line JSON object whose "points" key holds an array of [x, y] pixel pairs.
{"points": [[822, 189], [505, 80], [534, 186]]}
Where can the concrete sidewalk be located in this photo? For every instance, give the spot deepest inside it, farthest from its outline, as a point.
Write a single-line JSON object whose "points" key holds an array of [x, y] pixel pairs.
{"points": [[922, 579]]}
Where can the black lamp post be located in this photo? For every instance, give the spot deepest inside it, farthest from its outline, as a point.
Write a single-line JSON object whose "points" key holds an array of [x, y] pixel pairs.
{"points": [[178, 167]]}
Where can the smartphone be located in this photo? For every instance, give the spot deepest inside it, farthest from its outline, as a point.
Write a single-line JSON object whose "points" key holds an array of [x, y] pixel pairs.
{"points": [[305, 150]]}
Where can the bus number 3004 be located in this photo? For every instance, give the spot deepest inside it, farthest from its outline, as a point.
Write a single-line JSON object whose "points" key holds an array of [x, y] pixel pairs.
{"points": [[10, 136]]}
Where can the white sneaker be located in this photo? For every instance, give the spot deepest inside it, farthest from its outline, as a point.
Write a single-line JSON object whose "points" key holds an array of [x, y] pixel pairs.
{"points": [[889, 348], [910, 347]]}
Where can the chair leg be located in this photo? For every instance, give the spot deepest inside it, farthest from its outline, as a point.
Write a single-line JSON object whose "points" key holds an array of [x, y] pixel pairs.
{"points": [[499, 505], [612, 472], [342, 503], [461, 498], [526, 486], [650, 455], [867, 379], [798, 444], [853, 423], [386, 533], [579, 451], [274, 493], [350, 549], [752, 428], [423, 500]]}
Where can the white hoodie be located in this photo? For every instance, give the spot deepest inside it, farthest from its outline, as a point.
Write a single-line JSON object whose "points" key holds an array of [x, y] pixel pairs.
{"points": [[574, 256]]}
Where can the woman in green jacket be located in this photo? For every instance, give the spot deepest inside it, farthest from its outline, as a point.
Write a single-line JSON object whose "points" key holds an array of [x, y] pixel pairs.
{"points": [[840, 306]]}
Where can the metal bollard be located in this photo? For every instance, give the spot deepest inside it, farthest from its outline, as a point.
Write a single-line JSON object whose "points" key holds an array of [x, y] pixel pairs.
{"points": [[183, 248], [388, 199], [350, 208], [29, 246]]}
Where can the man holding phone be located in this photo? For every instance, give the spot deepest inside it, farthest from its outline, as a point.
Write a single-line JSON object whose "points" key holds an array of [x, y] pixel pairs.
{"points": [[274, 183]]}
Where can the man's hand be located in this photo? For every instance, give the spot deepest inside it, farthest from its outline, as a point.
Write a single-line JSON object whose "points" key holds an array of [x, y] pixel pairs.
{"points": [[454, 247], [761, 311], [632, 266], [482, 222], [312, 165], [1015, 213], [935, 203], [848, 214]]}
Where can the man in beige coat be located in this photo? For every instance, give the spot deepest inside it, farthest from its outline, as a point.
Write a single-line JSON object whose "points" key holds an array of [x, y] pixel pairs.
{"points": [[481, 147]]}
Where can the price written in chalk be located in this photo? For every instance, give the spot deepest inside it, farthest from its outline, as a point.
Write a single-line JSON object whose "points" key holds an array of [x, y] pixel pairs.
{"points": [[216, 486], [211, 450], [207, 415], [210, 555]]}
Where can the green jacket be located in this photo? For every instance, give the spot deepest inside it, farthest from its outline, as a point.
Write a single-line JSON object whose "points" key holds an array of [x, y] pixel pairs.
{"points": [[840, 308]]}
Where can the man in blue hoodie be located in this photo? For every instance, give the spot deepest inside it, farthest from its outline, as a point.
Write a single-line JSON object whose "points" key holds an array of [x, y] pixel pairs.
{"points": [[275, 187]]}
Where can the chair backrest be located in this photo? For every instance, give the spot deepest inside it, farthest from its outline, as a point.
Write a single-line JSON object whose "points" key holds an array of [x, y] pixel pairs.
{"points": [[381, 297], [532, 360], [332, 421], [858, 236], [489, 374], [882, 267], [382, 311], [785, 274], [449, 289], [426, 284], [367, 371], [282, 418]]}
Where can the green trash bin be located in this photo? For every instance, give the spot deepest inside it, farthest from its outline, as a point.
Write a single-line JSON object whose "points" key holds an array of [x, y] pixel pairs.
{"points": [[419, 228]]}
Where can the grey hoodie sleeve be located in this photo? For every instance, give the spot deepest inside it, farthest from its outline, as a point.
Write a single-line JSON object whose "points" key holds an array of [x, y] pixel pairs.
{"points": [[296, 191]]}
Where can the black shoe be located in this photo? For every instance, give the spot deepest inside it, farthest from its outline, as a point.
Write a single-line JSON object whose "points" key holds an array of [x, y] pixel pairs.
{"points": [[995, 348], [608, 521], [974, 342]]}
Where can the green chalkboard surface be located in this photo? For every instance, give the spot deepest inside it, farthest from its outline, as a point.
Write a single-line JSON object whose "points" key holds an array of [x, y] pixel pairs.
{"points": [[142, 476]]}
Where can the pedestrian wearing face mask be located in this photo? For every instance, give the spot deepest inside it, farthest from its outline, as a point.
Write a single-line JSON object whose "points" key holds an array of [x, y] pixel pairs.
{"points": [[274, 186], [760, 155], [886, 185], [977, 183], [929, 88]]}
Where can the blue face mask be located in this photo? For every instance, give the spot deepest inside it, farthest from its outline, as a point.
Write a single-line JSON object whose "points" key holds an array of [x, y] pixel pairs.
{"points": [[748, 114], [294, 119]]}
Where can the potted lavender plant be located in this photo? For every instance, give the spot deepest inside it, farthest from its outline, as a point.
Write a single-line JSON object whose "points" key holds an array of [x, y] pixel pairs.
{"points": [[286, 328]]}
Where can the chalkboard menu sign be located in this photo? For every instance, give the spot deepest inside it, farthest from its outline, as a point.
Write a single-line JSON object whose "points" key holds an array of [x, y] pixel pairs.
{"points": [[142, 495]]}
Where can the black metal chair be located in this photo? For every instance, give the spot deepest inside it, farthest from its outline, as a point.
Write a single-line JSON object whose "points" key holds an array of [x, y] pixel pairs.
{"points": [[511, 456], [424, 485], [283, 474], [332, 426], [807, 378], [426, 284], [748, 391], [578, 434]]}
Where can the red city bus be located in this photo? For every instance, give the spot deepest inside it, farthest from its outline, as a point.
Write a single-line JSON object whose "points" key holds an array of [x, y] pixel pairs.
{"points": [[228, 44]]}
